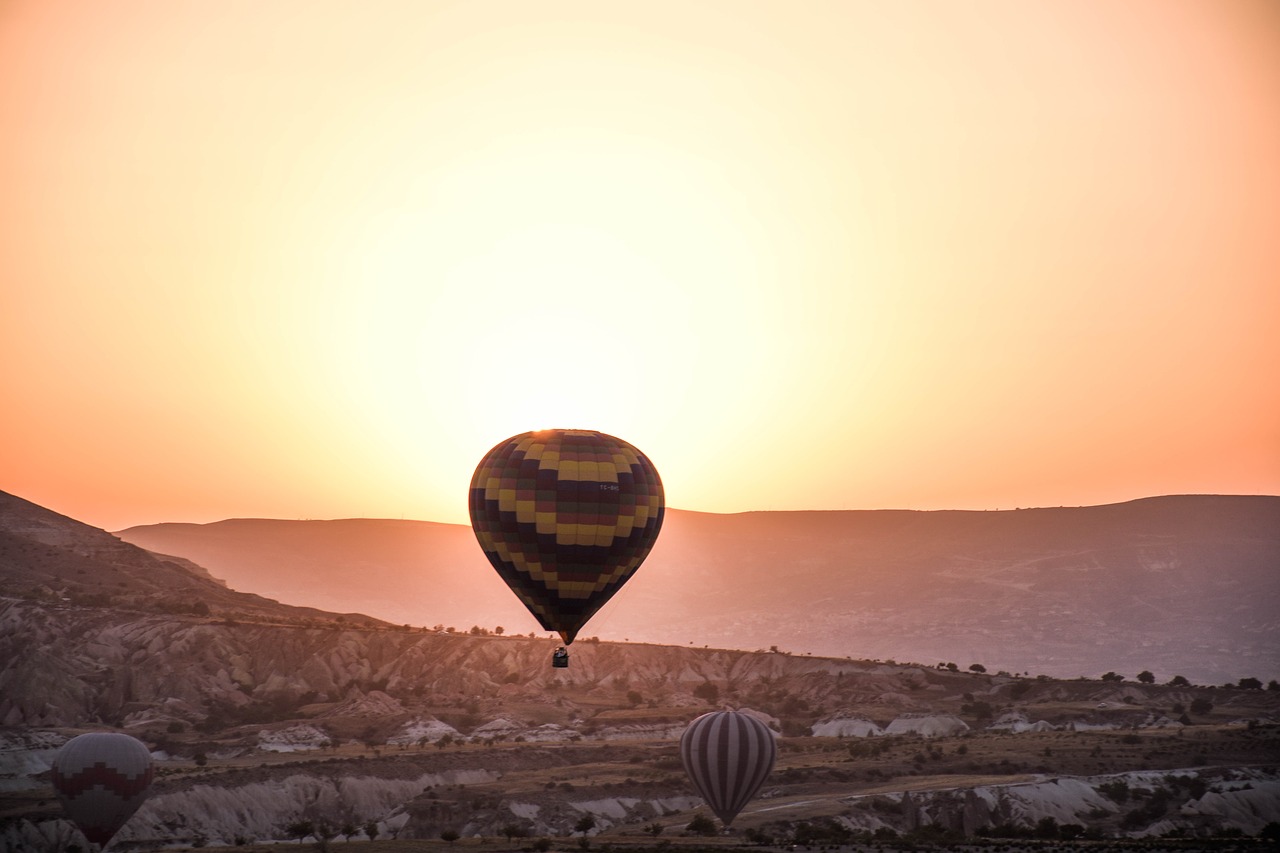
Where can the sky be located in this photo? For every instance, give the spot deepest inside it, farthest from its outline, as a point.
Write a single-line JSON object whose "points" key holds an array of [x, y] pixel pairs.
{"points": [[302, 259]]}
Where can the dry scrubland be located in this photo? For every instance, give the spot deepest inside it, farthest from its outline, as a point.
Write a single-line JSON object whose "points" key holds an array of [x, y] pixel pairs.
{"points": [[817, 782], [514, 743]]}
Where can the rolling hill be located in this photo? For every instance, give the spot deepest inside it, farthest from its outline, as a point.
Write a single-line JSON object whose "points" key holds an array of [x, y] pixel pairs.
{"points": [[1185, 585]]}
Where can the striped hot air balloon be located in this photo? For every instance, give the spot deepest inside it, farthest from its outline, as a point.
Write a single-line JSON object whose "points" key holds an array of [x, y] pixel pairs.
{"points": [[566, 517], [728, 756], [101, 779]]}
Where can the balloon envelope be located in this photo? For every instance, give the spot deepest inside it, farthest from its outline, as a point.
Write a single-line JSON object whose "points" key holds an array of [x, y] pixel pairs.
{"points": [[101, 779], [566, 517], [728, 756]]}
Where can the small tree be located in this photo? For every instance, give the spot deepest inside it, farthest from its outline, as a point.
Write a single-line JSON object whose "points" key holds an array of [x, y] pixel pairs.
{"points": [[449, 836], [371, 830], [323, 833], [701, 825], [654, 829], [1117, 791], [1179, 681], [977, 667], [585, 824], [1146, 677], [300, 829], [708, 691], [1111, 676], [1046, 827]]}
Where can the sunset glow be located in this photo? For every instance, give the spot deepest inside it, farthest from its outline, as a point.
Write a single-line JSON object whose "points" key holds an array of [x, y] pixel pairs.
{"points": [[299, 260]]}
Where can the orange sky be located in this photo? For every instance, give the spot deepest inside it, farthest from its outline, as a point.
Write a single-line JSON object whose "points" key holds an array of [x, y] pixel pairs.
{"points": [[311, 260]]}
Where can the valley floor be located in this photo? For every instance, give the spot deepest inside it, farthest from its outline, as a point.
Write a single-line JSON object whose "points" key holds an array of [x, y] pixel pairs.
{"points": [[700, 845], [913, 792]]}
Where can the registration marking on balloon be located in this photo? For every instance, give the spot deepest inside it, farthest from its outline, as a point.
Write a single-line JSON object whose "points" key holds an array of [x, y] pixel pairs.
{"points": [[565, 517]]}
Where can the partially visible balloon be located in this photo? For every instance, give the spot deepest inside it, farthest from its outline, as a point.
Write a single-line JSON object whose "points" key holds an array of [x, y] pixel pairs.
{"points": [[728, 756], [566, 517], [101, 779]]}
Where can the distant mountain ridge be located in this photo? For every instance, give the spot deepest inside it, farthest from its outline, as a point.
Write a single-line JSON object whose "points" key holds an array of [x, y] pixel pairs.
{"points": [[1185, 585]]}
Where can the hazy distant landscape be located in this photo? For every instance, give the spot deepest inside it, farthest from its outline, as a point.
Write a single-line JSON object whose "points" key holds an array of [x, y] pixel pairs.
{"points": [[1180, 585]]}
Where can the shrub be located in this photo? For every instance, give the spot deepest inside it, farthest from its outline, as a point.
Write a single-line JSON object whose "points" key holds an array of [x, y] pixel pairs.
{"points": [[1117, 791], [701, 825], [707, 691]]}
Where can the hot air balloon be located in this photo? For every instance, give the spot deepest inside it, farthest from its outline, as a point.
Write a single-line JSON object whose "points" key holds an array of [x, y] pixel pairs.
{"points": [[101, 779], [566, 517], [728, 755]]}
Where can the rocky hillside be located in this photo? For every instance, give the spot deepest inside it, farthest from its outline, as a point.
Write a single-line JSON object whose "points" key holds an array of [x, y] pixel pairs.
{"points": [[50, 558], [74, 665], [1176, 585], [404, 733]]}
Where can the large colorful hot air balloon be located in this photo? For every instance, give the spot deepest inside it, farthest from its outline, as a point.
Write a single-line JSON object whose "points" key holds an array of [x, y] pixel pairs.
{"points": [[728, 755], [566, 517], [101, 779]]}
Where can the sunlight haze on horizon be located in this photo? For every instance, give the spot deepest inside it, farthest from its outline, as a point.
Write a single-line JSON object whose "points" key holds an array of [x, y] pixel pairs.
{"points": [[304, 260]]}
